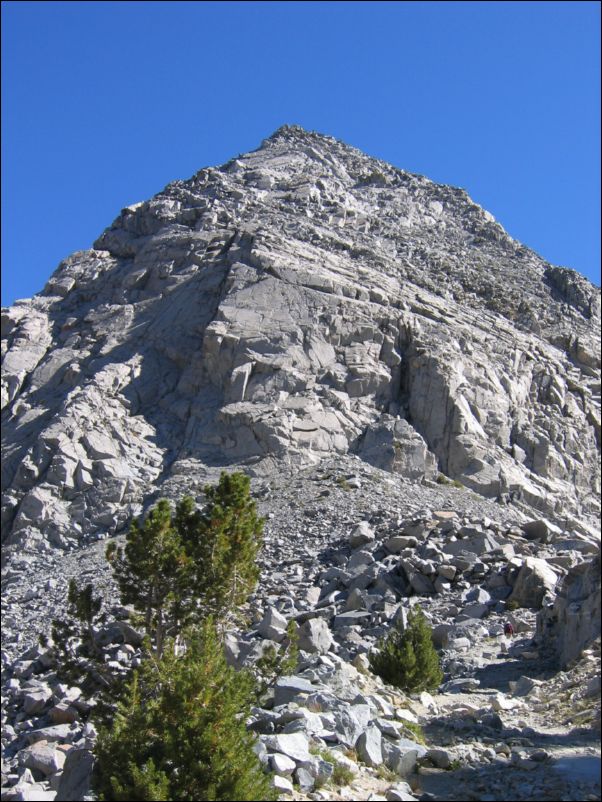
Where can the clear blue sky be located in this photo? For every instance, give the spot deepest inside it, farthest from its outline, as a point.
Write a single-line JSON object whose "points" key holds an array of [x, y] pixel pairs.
{"points": [[105, 102]]}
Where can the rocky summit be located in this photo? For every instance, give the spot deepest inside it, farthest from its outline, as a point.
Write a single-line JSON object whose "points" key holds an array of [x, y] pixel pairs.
{"points": [[416, 396]]}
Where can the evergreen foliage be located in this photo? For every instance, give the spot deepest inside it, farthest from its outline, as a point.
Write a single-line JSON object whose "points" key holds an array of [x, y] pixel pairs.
{"points": [[77, 653], [177, 569], [149, 571], [179, 733], [174, 729], [278, 661], [408, 658], [223, 541]]}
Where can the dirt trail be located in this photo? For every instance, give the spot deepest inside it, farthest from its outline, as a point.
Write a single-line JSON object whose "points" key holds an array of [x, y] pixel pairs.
{"points": [[517, 747]]}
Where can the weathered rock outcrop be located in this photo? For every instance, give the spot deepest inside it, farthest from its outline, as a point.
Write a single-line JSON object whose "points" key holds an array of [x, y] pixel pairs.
{"points": [[301, 300], [573, 620]]}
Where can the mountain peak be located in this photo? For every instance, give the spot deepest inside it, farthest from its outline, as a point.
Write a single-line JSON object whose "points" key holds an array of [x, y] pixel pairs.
{"points": [[377, 353], [293, 131], [295, 136], [301, 302]]}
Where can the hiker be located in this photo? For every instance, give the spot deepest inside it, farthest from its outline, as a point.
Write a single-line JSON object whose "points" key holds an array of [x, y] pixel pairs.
{"points": [[507, 634]]}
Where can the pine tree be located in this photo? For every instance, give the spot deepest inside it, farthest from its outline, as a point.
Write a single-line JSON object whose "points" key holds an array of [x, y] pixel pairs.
{"points": [[408, 658], [150, 571], [177, 569], [222, 542], [177, 728], [180, 733]]}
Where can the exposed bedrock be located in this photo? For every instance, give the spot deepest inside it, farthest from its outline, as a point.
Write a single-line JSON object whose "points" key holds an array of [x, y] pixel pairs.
{"points": [[299, 301]]}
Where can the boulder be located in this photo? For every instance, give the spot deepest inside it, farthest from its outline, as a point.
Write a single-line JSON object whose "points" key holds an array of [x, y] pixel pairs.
{"points": [[541, 529], [441, 758], [402, 755], [441, 635], [362, 663], [342, 760], [63, 713], [359, 558], [475, 610], [398, 543], [235, 649], [350, 722], [573, 621], [272, 625], [35, 701], [389, 728], [393, 444], [460, 685], [119, 632], [293, 745], [523, 686], [361, 535], [400, 792], [459, 643], [283, 786], [500, 702], [356, 600], [447, 571], [369, 746], [28, 792], [477, 544], [305, 778], [59, 732], [44, 757], [312, 595], [315, 636], [288, 688], [534, 579], [282, 764], [351, 618], [420, 584], [427, 701], [441, 585], [478, 595]]}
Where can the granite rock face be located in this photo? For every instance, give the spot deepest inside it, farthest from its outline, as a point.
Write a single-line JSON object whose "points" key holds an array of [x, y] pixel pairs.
{"points": [[572, 621], [300, 301]]}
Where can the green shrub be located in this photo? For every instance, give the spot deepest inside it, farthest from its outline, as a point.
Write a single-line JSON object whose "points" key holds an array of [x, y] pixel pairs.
{"points": [[224, 541], [385, 773], [179, 732], [341, 775], [178, 569], [414, 731], [150, 572], [444, 480], [176, 730], [407, 658]]}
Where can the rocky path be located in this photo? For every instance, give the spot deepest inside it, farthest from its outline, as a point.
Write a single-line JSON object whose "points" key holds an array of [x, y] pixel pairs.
{"points": [[348, 552], [520, 724]]}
